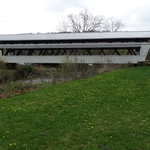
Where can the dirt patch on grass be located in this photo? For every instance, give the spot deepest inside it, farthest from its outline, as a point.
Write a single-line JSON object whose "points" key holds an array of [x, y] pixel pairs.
{"points": [[18, 92]]}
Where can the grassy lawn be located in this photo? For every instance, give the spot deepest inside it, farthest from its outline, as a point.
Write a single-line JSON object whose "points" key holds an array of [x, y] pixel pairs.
{"points": [[110, 111]]}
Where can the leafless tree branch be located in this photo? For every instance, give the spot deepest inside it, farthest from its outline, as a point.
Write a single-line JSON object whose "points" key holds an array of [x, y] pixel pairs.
{"points": [[86, 22], [112, 25]]}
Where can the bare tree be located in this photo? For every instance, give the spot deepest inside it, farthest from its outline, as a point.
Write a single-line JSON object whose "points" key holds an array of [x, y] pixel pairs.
{"points": [[85, 21], [63, 26], [111, 25]]}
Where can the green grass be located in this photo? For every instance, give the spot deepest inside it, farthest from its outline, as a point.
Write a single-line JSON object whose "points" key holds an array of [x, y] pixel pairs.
{"points": [[110, 111]]}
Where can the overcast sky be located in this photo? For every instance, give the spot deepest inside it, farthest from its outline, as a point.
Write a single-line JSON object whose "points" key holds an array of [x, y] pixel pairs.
{"points": [[33, 16]]}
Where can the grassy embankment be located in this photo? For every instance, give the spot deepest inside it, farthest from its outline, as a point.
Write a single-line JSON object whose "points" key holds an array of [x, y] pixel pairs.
{"points": [[106, 111]]}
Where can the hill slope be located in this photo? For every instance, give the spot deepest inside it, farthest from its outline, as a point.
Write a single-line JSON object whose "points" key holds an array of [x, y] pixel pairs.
{"points": [[107, 111]]}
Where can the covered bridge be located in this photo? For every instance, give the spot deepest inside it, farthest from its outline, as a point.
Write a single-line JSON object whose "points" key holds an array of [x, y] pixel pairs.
{"points": [[92, 47]]}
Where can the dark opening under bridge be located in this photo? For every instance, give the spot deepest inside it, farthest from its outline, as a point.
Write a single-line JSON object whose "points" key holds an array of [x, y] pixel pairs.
{"points": [[95, 47]]}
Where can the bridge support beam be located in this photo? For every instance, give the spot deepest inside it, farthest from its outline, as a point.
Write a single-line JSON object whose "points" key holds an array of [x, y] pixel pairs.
{"points": [[75, 59]]}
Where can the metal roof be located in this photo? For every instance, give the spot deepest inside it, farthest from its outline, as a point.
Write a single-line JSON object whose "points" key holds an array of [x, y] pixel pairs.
{"points": [[76, 36]]}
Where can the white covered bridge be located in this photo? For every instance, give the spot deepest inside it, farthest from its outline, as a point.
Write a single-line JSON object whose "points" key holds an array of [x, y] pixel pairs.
{"points": [[95, 47]]}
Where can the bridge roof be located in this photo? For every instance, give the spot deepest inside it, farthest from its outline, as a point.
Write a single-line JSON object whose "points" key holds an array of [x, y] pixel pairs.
{"points": [[68, 37]]}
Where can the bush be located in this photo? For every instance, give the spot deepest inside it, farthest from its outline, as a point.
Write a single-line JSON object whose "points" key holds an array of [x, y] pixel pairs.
{"points": [[2, 64], [6, 76], [68, 71], [25, 71]]}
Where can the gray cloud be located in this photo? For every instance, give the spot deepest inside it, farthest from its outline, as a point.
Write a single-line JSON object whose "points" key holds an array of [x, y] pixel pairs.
{"points": [[138, 18], [43, 15], [61, 6]]}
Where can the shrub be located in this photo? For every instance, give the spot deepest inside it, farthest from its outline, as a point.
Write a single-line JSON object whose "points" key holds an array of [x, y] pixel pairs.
{"points": [[68, 71], [2, 64], [25, 71], [6, 76]]}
